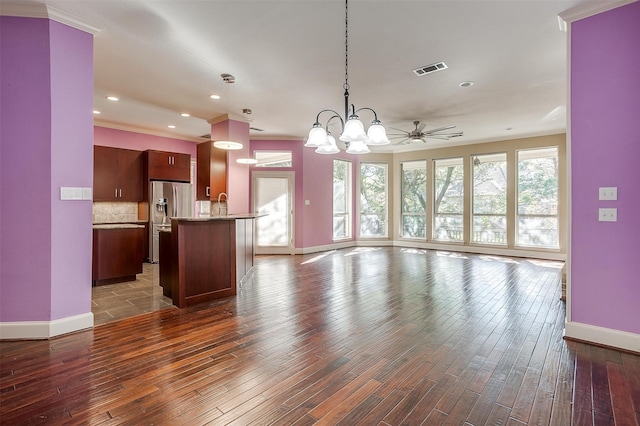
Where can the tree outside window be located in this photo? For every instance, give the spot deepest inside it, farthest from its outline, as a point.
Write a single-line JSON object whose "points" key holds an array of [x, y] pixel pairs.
{"points": [[341, 199], [538, 198], [373, 200], [414, 199], [489, 223], [448, 201]]}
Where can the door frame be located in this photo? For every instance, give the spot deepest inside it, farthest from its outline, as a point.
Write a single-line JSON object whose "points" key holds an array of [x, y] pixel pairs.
{"points": [[291, 179]]}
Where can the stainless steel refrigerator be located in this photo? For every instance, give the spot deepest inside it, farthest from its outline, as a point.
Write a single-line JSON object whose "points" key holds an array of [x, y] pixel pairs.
{"points": [[167, 200]]}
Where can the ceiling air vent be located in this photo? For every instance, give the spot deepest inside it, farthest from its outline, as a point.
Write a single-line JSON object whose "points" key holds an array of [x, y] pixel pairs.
{"points": [[428, 69], [256, 129], [207, 136]]}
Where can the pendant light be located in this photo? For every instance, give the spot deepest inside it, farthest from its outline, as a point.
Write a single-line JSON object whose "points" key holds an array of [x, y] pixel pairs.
{"points": [[353, 132]]}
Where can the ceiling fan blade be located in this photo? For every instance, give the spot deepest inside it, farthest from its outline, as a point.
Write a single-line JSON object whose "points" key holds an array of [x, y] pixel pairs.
{"points": [[404, 135], [449, 134], [439, 129], [400, 130], [401, 142], [444, 138], [421, 128]]}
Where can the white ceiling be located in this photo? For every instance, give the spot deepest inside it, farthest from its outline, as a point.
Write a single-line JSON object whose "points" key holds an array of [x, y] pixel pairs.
{"points": [[163, 58]]}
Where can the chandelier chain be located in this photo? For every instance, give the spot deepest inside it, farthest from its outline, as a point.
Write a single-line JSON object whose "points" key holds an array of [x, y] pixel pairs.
{"points": [[346, 45]]}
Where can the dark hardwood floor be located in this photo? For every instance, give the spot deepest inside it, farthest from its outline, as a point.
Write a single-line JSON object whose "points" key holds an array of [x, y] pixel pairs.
{"points": [[370, 336]]}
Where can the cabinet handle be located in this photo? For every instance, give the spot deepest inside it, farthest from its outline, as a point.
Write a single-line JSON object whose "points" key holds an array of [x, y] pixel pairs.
{"points": [[208, 194], [120, 192], [116, 193]]}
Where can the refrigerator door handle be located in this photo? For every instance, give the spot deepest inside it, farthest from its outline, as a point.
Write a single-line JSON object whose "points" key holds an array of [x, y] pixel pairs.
{"points": [[175, 201]]}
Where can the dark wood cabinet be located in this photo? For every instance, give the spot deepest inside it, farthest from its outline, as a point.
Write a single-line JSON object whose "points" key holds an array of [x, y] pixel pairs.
{"points": [[203, 260], [117, 254], [169, 166], [211, 172], [117, 174]]}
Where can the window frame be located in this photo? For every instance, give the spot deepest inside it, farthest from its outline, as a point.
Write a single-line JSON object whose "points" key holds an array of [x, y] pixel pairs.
{"points": [[422, 166], [518, 243], [347, 214], [457, 162], [504, 215], [385, 211]]}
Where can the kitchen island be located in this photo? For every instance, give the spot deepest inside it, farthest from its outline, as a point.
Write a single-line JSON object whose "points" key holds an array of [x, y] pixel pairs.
{"points": [[203, 259]]}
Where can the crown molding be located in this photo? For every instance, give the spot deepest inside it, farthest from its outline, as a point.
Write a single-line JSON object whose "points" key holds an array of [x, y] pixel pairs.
{"points": [[586, 10], [39, 10], [117, 126]]}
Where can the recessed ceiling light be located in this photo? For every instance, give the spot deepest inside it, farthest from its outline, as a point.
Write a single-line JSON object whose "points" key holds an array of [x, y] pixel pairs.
{"points": [[247, 161], [214, 96], [95, 111], [171, 126], [466, 84], [112, 98], [184, 114]]}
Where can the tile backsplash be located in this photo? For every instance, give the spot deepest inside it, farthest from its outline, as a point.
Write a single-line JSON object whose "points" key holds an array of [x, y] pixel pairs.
{"points": [[108, 212]]}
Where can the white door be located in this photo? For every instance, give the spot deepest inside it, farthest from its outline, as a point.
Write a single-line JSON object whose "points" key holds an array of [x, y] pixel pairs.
{"points": [[273, 197]]}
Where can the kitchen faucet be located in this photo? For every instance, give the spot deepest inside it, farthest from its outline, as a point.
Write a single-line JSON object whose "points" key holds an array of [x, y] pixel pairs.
{"points": [[226, 200]]}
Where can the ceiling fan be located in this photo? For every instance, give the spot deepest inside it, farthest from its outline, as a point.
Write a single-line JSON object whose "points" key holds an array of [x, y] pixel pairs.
{"points": [[418, 135]]}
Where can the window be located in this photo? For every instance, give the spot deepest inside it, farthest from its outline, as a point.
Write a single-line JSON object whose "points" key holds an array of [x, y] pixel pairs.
{"points": [[414, 199], [489, 222], [538, 198], [448, 200], [273, 158], [341, 199], [373, 200]]}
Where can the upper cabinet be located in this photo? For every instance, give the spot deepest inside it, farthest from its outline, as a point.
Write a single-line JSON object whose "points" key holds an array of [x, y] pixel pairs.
{"points": [[212, 172], [117, 174], [170, 166]]}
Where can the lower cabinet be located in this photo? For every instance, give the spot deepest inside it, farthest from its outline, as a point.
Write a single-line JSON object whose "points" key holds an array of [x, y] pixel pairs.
{"points": [[118, 254]]}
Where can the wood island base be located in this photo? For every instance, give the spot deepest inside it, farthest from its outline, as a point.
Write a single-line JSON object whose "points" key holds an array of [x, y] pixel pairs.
{"points": [[204, 259]]}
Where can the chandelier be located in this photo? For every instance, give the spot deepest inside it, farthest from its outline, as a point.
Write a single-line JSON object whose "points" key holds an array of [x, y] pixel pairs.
{"points": [[353, 134]]}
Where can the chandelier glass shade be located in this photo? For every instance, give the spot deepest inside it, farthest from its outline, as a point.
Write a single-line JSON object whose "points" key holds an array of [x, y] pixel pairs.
{"points": [[352, 130]]}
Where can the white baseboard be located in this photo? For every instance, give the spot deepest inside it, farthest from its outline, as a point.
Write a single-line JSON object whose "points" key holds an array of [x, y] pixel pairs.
{"points": [[602, 336], [477, 249], [33, 330]]}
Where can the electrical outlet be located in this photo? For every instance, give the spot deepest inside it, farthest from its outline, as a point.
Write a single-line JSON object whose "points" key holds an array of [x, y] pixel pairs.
{"points": [[608, 215], [608, 193]]}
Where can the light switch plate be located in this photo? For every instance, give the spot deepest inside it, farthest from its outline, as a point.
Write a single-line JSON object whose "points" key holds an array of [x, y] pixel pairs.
{"points": [[86, 194], [608, 215], [608, 193], [307, 202], [70, 193]]}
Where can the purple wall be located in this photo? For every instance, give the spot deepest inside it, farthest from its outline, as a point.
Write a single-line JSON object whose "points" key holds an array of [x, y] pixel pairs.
{"points": [[605, 151], [103, 136], [46, 81]]}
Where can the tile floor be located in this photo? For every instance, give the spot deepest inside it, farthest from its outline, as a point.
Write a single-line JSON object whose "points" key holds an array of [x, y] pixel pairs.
{"points": [[117, 301]]}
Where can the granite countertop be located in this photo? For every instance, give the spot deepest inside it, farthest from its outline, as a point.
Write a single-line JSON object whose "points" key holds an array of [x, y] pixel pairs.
{"points": [[117, 226], [223, 217]]}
